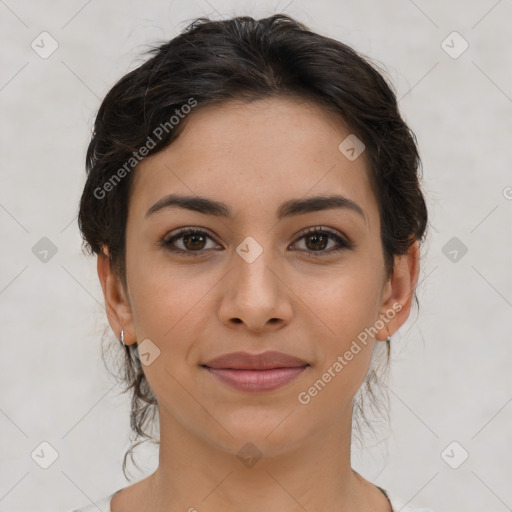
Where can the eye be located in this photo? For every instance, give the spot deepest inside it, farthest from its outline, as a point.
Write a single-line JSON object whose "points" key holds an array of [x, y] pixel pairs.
{"points": [[317, 240], [193, 242]]}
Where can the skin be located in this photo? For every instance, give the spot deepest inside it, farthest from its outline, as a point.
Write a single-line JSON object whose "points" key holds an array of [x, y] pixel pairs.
{"points": [[253, 157]]}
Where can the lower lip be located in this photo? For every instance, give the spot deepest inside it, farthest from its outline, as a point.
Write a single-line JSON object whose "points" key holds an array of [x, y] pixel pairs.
{"points": [[257, 380]]}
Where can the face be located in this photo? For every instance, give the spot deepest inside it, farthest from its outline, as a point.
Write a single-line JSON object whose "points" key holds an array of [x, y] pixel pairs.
{"points": [[259, 273]]}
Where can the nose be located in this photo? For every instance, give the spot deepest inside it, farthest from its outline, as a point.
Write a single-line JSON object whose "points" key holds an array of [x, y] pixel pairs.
{"points": [[255, 293]]}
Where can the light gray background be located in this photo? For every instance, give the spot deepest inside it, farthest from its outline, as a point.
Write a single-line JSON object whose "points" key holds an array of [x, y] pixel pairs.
{"points": [[451, 378]]}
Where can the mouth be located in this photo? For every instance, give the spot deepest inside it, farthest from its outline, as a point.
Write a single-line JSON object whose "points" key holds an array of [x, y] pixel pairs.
{"points": [[256, 372], [256, 380]]}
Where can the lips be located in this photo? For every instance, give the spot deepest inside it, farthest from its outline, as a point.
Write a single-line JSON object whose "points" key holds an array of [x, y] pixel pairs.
{"points": [[256, 372], [264, 361]]}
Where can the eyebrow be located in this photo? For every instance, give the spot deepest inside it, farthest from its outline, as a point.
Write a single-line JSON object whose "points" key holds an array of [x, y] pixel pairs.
{"points": [[287, 209]]}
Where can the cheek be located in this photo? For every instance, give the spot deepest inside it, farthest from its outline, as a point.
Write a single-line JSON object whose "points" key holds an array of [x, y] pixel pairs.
{"points": [[168, 301], [346, 299], [169, 309], [345, 307]]}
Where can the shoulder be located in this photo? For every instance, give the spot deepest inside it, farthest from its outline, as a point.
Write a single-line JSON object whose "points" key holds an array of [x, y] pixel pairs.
{"points": [[103, 505], [400, 505]]}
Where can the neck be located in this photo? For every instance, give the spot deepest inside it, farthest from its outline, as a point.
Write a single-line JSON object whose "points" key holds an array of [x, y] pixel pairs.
{"points": [[313, 474]]}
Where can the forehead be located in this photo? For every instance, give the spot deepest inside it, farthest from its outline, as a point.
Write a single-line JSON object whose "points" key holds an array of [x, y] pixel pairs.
{"points": [[254, 156]]}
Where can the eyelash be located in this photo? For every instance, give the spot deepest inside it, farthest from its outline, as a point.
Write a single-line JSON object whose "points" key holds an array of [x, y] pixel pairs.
{"points": [[166, 243]]}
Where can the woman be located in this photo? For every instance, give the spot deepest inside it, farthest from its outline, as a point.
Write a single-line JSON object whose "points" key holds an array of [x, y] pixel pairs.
{"points": [[254, 203]]}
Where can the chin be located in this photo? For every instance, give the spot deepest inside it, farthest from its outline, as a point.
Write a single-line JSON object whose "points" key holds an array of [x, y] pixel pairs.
{"points": [[269, 437]]}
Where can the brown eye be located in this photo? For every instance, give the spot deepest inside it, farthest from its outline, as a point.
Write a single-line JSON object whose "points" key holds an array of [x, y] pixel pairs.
{"points": [[187, 241], [316, 240], [194, 241]]}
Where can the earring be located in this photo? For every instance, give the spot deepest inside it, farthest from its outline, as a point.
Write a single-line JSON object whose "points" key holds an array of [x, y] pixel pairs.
{"points": [[122, 338]]}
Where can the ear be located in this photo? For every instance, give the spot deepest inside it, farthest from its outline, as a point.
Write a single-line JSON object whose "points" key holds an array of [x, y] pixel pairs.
{"points": [[398, 293], [116, 304]]}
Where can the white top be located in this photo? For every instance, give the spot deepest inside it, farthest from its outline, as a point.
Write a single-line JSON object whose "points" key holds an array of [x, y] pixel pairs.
{"points": [[397, 504]]}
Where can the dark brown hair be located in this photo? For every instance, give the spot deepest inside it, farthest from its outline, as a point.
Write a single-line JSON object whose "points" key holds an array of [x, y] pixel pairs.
{"points": [[241, 58]]}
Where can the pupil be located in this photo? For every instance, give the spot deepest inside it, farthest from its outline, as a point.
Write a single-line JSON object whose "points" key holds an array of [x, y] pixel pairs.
{"points": [[316, 237], [194, 238]]}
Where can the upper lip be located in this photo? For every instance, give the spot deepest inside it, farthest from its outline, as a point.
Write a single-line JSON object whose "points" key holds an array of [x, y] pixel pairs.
{"points": [[263, 361]]}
